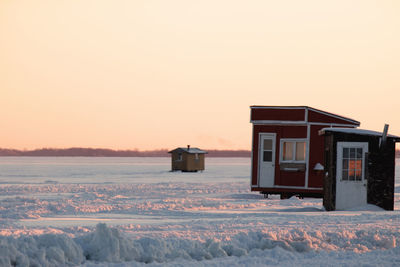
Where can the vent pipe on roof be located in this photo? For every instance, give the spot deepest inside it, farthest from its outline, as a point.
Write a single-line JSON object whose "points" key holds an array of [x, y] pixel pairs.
{"points": [[384, 135], [188, 146]]}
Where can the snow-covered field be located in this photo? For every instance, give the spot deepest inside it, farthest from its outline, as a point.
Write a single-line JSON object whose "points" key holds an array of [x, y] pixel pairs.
{"points": [[134, 212]]}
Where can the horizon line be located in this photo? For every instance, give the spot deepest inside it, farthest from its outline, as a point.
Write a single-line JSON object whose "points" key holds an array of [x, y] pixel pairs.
{"points": [[115, 149]]}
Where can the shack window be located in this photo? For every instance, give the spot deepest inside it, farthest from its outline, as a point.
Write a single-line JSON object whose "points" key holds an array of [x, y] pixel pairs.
{"points": [[352, 164], [179, 158], [196, 156], [293, 150], [267, 153]]}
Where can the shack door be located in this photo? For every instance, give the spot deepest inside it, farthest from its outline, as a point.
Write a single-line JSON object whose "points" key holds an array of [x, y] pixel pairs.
{"points": [[351, 183], [267, 160]]}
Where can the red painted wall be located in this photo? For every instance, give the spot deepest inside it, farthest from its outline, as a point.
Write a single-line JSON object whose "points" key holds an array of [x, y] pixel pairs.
{"points": [[281, 177], [287, 178], [316, 145], [315, 178], [319, 117], [278, 114]]}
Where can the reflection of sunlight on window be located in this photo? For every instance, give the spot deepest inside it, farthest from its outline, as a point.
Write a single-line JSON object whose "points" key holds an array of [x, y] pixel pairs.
{"points": [[352, 164], [359, 164]]}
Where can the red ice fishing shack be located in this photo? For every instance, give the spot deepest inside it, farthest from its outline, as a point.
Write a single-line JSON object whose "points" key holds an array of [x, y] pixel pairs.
{"points": [[287, 151]]}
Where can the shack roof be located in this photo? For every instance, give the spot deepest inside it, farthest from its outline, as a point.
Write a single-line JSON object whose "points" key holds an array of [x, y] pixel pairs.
{"points": [[357, 131], [191, 150]]}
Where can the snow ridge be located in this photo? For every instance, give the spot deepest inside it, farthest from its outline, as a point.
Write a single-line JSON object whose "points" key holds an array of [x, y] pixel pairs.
{"points": [[110, 245]]}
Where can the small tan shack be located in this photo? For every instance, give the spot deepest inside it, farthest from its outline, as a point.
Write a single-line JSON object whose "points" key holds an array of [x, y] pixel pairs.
{"points": [[187, 159]]}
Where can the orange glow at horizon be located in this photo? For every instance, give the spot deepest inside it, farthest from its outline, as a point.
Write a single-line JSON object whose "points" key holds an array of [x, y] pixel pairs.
{"points": [[161, 74]]}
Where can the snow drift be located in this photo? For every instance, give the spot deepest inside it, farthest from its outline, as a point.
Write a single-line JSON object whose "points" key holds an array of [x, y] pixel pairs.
{"points": [[107, 244]]}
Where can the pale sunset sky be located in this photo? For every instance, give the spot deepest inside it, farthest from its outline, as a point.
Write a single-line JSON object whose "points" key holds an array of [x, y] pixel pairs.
{"points": [[160, 74]]}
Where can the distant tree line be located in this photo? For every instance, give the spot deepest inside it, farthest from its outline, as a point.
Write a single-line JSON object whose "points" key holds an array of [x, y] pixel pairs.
{"points": [[103, 152]]}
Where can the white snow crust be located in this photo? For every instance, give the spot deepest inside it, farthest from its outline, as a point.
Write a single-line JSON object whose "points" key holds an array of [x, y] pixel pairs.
{"points": [[176, 219]]}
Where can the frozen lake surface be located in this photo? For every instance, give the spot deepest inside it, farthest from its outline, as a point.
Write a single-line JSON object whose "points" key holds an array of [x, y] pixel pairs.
{"points": [[134, 212]]}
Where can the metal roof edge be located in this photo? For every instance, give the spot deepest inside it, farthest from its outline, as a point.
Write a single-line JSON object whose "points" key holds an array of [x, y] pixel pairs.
{"points": [[357, 131], [282, 107]]}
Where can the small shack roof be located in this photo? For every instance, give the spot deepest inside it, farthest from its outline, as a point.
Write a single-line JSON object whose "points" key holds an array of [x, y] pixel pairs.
{"points": [[191, 150], [357, 131]]}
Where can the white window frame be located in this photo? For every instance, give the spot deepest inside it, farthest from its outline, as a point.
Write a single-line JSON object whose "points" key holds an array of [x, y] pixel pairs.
{"points": [[180, 156], [339, 163], [196, 156], [294, 140]]}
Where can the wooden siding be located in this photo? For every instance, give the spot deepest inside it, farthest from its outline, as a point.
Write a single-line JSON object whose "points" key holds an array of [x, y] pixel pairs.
{"points": [[314, 116], [278, 114], [188, 162], [282, 131], [316, 155], [330, 169], [380, 172], [290, 178], [297, 114], [293, 122]]}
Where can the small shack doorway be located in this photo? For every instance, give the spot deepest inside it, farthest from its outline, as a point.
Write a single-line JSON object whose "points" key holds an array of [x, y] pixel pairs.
{"points": [[359, 168], [267, 154], [351, 182]]}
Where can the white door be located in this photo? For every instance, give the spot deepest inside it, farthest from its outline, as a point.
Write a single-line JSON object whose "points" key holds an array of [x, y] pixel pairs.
{"points": [[351, 183], [267, 160]]}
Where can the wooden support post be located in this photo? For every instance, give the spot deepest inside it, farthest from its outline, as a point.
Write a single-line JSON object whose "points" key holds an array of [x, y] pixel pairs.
{"points": [[384, 135]]}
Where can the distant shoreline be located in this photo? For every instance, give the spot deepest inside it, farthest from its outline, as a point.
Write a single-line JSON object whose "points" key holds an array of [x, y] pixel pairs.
{"points": [[103, 152]]}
